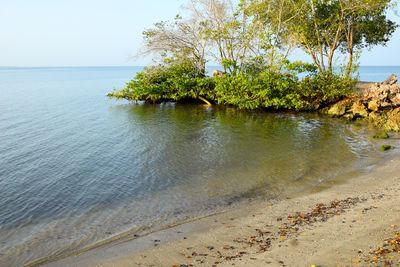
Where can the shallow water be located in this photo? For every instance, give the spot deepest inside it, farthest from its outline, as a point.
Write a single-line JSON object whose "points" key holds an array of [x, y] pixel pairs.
{"points": [[77, 168]]}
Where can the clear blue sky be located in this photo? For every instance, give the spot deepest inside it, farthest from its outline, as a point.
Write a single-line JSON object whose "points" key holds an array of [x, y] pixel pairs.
{"points": [[100, 32]]}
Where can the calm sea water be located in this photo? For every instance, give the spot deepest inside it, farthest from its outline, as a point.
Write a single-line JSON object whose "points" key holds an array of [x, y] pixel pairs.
{"points": [[77, 168], [377, 74]]}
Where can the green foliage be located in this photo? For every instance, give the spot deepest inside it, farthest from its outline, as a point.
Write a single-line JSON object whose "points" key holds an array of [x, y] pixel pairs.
{"points": [[371, 26], [319, 90], [253, 66], [252, 89], [320, 28], [171, 81], [281, 91], [267, 90], [301, 67]]}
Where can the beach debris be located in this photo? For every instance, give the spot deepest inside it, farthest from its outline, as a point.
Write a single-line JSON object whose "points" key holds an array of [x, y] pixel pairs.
{"points": [[377, 196], [365, 210], [263, 233], [228, 247], [388, 254], [262, 240], [320, 213], [218, 257]]}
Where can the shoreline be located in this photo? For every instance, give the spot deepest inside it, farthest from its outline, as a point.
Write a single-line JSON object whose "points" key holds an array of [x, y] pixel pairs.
{"points": [[235, 237]]}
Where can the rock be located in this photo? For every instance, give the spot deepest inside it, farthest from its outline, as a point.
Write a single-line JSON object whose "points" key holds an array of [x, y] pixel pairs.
{"points": [[374, 116], [339, 109], [378, 119], [381, 135], [348, 116], [373, 105], [383, 95], [395, 100], [359, 109], [380, 104], [324, 110], [394, 89], [393, 120], [392, 79], [386, 147], [385, 104]]}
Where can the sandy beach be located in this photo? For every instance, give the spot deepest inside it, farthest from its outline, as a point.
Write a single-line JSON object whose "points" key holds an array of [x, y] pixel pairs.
{"points": [[353, 223]]}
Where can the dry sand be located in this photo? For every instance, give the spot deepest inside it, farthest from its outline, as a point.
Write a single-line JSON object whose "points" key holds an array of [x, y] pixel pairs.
{"points": [[289, 232]]}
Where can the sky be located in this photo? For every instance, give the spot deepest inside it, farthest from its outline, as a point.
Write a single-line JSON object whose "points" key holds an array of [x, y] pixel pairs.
{"points": [[102, 32]]}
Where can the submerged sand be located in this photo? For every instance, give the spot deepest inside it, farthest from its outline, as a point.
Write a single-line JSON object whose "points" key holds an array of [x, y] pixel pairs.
{"points": [[343, 225]]}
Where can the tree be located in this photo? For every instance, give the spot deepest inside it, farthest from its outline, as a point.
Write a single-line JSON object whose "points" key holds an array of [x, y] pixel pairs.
{"points": [[365, 25], [180, 39], [307, 23], [322, 27], [233, 34], [273, 16], [225, 31]]}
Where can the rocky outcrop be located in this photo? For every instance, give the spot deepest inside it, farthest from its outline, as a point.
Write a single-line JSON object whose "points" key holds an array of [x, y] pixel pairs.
{"points": [[393, 120], [391, 80], [380, 104], [359, 110], [373, 105], [339, 109]]}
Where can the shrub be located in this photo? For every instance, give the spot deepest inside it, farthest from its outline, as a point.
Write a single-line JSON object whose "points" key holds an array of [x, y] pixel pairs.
{"points": [[174, 81], [322, 89], [252, 89], [266, 90]]}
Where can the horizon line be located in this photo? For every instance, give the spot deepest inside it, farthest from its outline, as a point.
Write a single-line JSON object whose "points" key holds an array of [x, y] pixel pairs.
{"points": [[142, 66]]}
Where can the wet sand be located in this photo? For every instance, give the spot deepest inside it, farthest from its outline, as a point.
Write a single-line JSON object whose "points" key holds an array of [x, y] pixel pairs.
{"points": [[342, 225]]}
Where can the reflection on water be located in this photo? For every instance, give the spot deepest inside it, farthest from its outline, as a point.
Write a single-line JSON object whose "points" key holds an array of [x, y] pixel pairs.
{"points": [[77, 169]]}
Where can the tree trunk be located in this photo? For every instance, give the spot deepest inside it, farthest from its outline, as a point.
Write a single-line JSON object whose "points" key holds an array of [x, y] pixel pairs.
{"points": [[349, 66], [350, 50], [330, 62]]}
